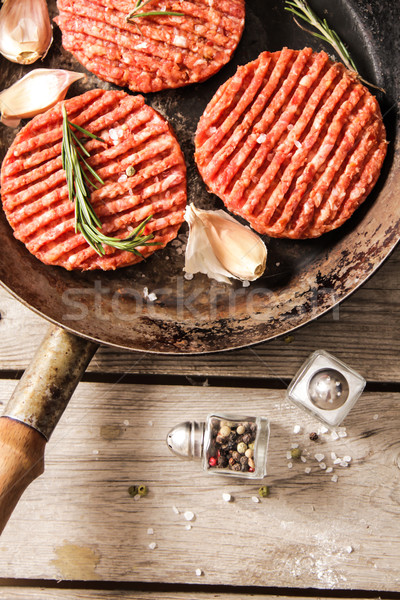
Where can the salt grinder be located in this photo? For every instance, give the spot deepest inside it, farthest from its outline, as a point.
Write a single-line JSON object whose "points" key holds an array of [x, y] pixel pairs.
{"points": [[326, 387], [234, 446]]}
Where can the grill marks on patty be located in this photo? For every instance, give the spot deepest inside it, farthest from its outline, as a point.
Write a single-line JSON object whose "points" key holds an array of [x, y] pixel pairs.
{"points": [[35, 194], [153, 53], [292, 142]]}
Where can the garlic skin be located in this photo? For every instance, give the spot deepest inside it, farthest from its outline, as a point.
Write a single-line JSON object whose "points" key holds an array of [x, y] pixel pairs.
{"points": [[221, 247], [26, 33], [36, 92]]}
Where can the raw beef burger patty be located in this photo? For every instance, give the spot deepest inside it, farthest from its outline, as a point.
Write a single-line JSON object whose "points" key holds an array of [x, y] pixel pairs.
{"points": [[34, 190], [153, 53], [292, 142]]}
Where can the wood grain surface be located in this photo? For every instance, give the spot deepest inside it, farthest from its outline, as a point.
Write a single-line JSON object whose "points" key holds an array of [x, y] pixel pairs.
{"points": [[364, 331], [78, 522]]}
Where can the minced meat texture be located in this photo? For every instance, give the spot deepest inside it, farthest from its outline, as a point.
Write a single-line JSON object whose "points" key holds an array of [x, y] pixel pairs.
{"points": [[151, 53], [34, 189], [293, 143]]}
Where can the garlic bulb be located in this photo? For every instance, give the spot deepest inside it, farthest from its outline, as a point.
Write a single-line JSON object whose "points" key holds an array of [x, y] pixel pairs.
{"points": [[35, 93], [221, 247], [25, 30]]}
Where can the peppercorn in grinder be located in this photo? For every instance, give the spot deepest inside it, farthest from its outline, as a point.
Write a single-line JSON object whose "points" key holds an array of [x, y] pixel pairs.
{"points": [[227, 445]]}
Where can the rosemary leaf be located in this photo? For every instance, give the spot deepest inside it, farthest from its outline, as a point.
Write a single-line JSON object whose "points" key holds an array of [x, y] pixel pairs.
{"points": [[155, 13], [302, 10], [86, 221], [134, 14]]}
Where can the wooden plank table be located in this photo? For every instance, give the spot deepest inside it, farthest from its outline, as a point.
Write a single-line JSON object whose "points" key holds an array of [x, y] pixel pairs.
{"points": [[77, 533]]}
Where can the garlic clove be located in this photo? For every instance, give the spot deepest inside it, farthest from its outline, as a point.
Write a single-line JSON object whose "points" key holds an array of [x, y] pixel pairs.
{"points": [[36, 92], [26, 33], [222, 248]]}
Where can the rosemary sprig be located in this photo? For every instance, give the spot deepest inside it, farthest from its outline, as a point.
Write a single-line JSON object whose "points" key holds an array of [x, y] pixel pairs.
{"points": [[302, 10], [134, 14], [73, 155]]}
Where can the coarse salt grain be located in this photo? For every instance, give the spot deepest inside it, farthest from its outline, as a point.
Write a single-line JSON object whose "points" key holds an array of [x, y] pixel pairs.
{"points": [[255, 499], [375, 417], [294, 446], [322, 466], [227, 497], [307, 470], [349, 549], [150, 531], [337, 461], [342, 433], [176, 510], [319, 457], [199, 572], [297, 143], [344, 463], [261, 138], [289, 465], [303, 459], [152, 546], [188, 526], [333, 455], [347, 458], [334, 435], [189, 516], [288, 455], [245, 283], [329, 470], [323, 429], [188, 276], [95, 451], [113, 134], [126, 422], [152, 297], [334, 478], [180, 41], [296, 429]]}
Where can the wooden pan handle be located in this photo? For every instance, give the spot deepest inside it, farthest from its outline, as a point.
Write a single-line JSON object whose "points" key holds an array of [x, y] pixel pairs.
{"points": [[21, 461], [34, 409]]}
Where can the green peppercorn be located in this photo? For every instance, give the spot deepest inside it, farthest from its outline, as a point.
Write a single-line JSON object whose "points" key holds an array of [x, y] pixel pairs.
{"points": [[241, 447], [263, 491], [133, 490], [142, 490], [130, 171], [295, 453]]}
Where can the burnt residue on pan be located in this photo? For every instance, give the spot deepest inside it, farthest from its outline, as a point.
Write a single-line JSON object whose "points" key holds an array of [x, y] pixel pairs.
{"points": [[303, 279]]}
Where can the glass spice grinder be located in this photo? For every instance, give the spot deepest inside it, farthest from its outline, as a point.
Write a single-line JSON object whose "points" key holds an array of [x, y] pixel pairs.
{"points": [[227, 445]]}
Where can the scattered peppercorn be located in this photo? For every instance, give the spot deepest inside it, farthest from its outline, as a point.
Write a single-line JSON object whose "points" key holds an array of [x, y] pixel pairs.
{"points": [[132, 490], [295, 452], [130, 171], [313, 436], [263, 491], [142, 490]]}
